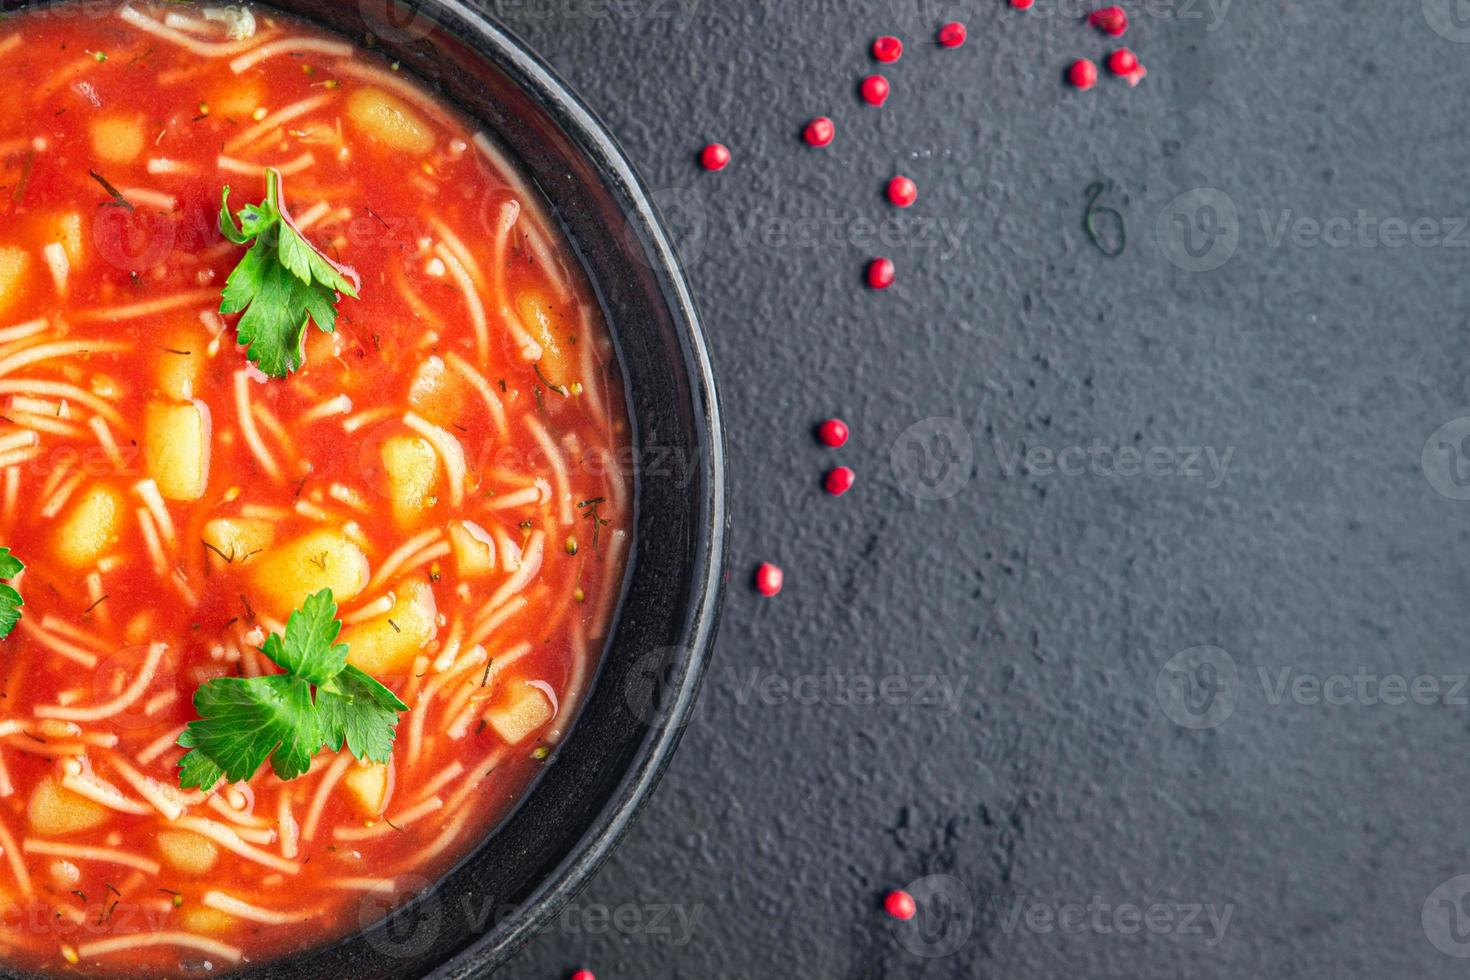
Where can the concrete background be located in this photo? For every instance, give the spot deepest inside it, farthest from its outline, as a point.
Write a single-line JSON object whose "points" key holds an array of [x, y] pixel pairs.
{"points": [[1165, 536]]}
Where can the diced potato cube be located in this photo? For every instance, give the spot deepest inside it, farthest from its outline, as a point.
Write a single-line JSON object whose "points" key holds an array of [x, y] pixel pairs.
{"points": [[537, 317], [118, 139], [181, 363], [474, 549], [370, 786], [523, 710], [53, 810], [437, 394], [234, 99], [66, 228], [202, 918], [412, 470], [186, 851], [387, 644], [176, 443], [91, 529], [238, 540], [324, 559], [389, 120], [14, 267]]}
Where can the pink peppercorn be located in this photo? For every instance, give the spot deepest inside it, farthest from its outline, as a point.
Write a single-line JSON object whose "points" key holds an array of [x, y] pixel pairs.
{"points": [[833, 432], [715, 156], [839, 480], [1109, 20], [887, 49], [900, 905], [1023, 4], [768, 579], [880, 273], [819, 131], [584, 975], [1083, 74], [874, 90], [902, 192], [953, 34]]}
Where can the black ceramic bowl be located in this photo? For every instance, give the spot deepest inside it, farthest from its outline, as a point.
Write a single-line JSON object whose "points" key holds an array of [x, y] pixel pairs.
{"points": [[477, 915]]}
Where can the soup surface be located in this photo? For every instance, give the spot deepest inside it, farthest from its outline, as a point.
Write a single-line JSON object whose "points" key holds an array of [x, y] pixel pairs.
{"points": [[446, 462]]}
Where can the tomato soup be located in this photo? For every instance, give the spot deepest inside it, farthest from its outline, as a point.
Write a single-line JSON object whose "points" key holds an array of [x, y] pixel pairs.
{"points": [[201, 483]]}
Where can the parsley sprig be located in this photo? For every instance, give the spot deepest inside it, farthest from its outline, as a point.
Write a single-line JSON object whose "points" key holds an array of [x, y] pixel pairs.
{"points": [[280, 283], [321, 699], [10, 600]]}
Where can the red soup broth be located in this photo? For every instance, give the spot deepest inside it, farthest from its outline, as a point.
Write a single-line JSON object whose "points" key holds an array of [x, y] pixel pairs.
{"points": [[447, 461]]}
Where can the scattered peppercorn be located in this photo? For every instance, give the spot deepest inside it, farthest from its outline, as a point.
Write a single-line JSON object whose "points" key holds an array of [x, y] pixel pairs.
{"points": [[901, 905], [880, 273], [953, 34], [1082, 74], [833, 432], [1110, 20], [715, 156], [902, 192], [887, 49], [839, 480], [875, 90], [819, 131], [769, 579]]}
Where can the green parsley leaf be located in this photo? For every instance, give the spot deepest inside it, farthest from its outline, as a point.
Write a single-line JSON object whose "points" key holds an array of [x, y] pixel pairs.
{"points": [[10, 600], [280, 284], [287, 718]]}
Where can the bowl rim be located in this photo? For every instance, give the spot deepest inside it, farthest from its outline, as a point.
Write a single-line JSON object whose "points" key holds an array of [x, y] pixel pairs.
{"points": [[495, 42]]}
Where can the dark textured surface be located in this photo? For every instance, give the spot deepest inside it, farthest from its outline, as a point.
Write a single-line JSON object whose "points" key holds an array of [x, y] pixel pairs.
{"points": [[1051, 601]]}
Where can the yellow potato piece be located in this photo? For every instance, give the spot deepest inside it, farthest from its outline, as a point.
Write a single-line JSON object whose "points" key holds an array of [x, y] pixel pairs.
{"points": [[524, 710], [184, 850], [537, 318], [176, 446], [239, 540], [323, 559], [389, 120], [14, 266], [200, 918], [412, 470], [437, 394], [474, 549], [387, 644], [54, 810], [234, 100], [91, 529], [370, 787], [181, 363], [66, 229], [117, 139]]}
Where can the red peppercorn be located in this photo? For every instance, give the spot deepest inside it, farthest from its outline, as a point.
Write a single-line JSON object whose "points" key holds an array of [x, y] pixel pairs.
{"points": [[716, 156], [1122, 61], [833, 432], [900, 905], [887, 49], [1023, 4], [839, 480], [902, 192], [875, 90], [880, 273], [1083, 74], [1109, 20], [952, 35], [768, 579], [583, 975], [819, 131]]}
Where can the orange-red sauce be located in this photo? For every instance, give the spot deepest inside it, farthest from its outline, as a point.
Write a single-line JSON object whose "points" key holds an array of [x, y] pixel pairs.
{"points": [[472, 381]]}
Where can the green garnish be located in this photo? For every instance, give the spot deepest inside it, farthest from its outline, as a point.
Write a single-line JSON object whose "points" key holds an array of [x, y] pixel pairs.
{"points": [[321, 699], [280, 283], [10, 600]]}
